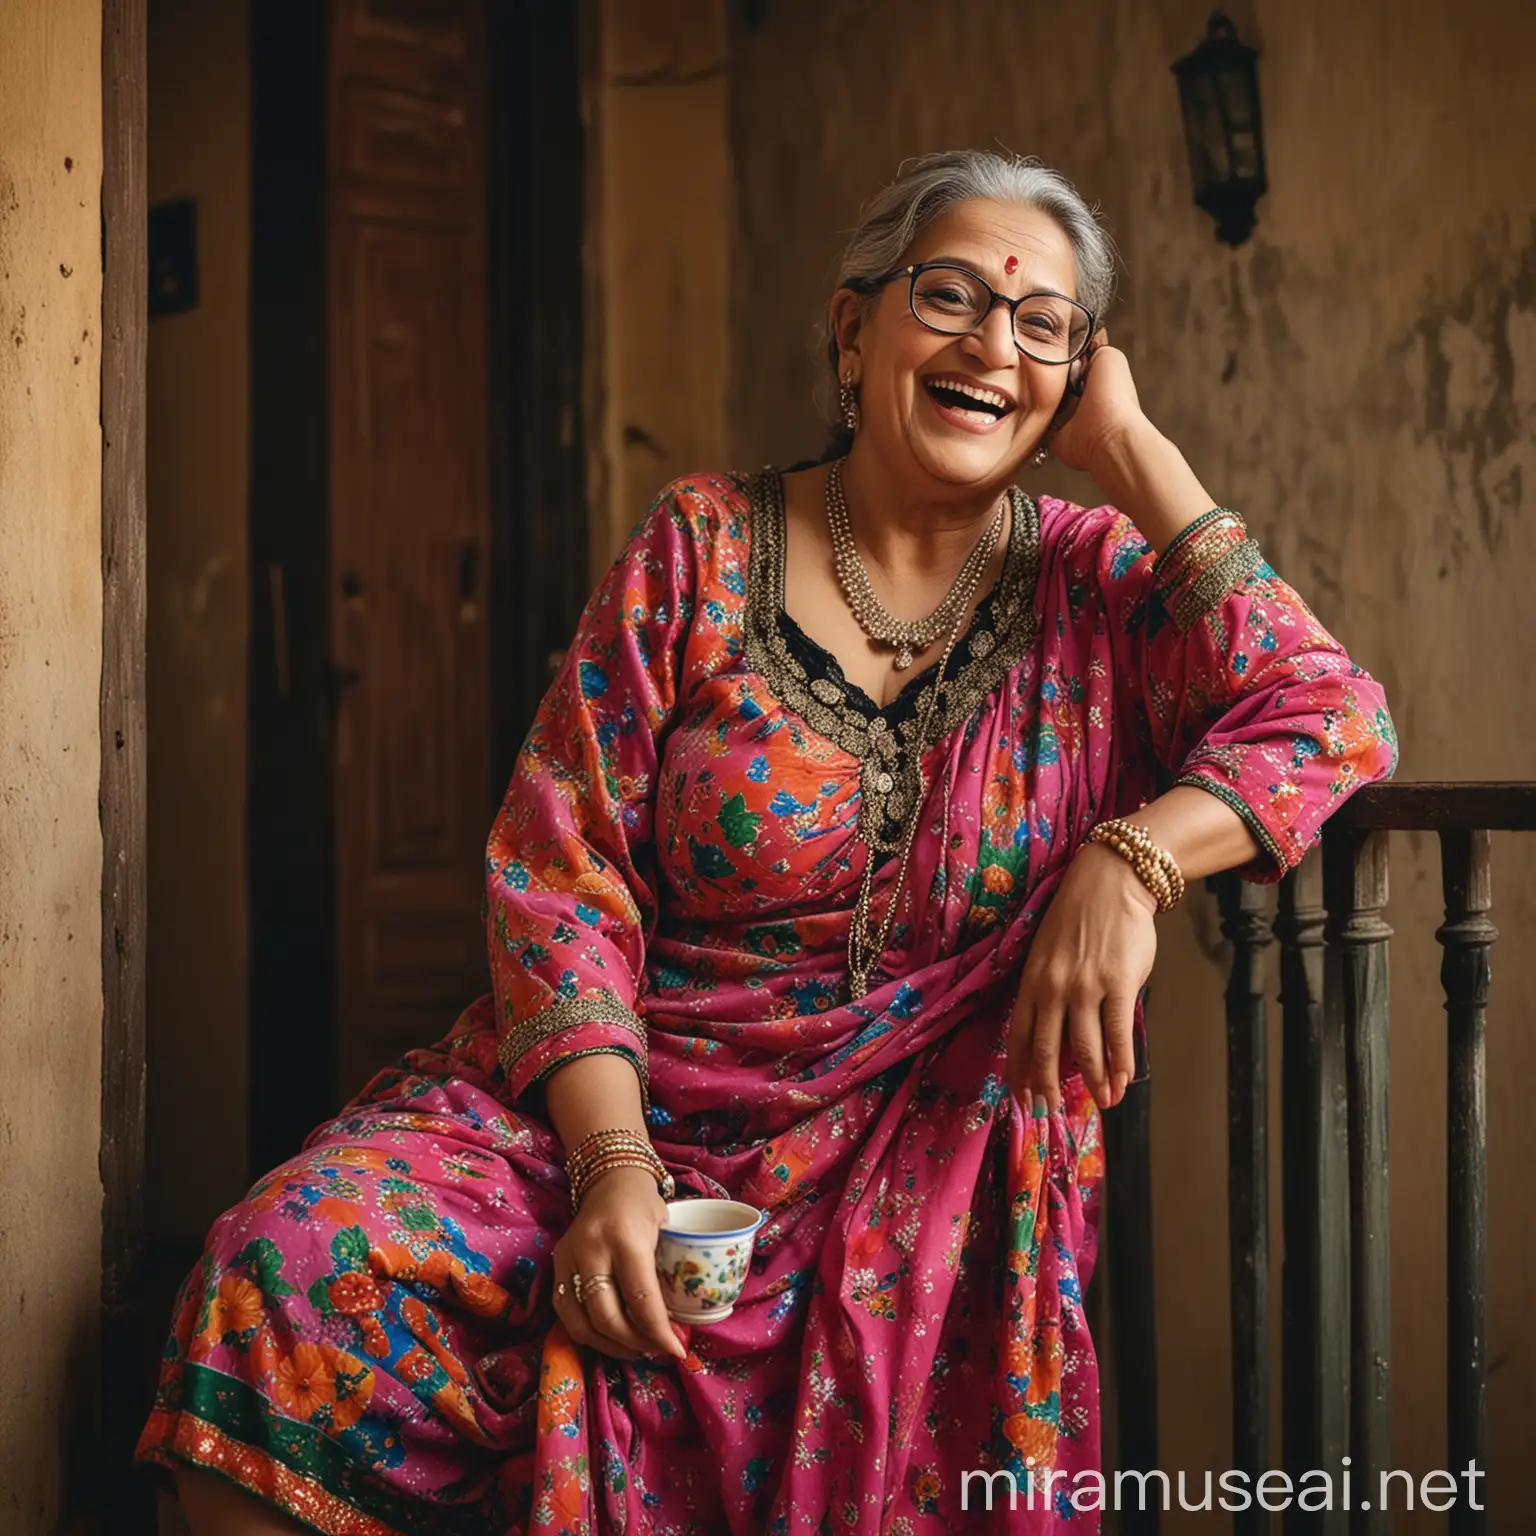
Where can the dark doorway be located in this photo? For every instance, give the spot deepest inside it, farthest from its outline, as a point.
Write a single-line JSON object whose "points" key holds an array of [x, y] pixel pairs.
{"points": [[418, 516]]}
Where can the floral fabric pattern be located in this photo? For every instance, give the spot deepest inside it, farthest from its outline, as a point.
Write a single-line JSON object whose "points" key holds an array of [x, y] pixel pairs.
{"points": [[369, 1341]]}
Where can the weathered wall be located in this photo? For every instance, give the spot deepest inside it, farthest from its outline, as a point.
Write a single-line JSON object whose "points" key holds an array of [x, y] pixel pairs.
{"points": [[198, 467], [50, 679], [1360, 379], [658, 248]]}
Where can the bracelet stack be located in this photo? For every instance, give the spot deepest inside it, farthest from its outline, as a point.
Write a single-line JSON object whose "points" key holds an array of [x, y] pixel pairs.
{"points": [[1206, 560], [596, 1154], [1198, 543], [1155, 867]]}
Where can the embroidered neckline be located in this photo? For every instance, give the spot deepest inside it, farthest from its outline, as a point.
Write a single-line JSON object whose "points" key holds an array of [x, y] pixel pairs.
{"points": [[886, 749], [819, 661]]}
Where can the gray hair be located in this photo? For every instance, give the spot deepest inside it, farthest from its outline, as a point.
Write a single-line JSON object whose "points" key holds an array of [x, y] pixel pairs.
{"points": [[930, 185]]}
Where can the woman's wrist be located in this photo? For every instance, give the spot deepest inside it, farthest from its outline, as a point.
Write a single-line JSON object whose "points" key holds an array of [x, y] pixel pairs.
{"points": [[593, 1093], [1155, 867], [622, 1182], [603, 1151], [1202, 832], [1107, 866], [1145, 476], [1117, 455]]}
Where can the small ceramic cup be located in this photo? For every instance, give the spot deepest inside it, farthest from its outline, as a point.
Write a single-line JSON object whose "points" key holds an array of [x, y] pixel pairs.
{"points": [[702, 1257]]}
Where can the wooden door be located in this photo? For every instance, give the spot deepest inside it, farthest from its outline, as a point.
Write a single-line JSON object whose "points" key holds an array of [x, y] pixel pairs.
{"points": [[410, 519]]}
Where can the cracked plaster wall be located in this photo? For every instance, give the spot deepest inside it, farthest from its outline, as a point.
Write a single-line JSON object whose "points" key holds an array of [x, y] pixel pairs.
{"points": [[658, 251]]}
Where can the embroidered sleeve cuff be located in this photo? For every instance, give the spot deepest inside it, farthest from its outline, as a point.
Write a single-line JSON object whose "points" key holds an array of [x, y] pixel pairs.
{"points": [[594, 1024], [1280, 850], [1204, 565]]}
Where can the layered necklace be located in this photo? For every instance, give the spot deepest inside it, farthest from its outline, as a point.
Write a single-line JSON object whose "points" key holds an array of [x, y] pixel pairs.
{"points": [[907, 637], [866, 944]]}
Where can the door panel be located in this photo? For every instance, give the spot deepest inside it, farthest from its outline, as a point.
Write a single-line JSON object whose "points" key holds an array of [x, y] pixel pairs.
{"points": [[399, 137], [410, 522]]}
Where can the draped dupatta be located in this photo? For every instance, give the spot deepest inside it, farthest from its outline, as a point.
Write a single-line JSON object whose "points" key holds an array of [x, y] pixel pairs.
{"points": [[699, 790], [368, 1340]]}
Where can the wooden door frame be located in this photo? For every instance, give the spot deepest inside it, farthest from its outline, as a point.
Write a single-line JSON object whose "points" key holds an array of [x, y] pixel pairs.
{"points": [[539, 505], [110, 1485], [536, 203], [289, 680], [537, 213], [540, 510]]}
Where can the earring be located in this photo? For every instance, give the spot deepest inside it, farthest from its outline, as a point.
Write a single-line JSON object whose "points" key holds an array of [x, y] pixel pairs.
{"points": [[1040, 456], [848, 403]]}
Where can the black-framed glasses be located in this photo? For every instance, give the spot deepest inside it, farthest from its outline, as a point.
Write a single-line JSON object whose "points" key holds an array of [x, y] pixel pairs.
{"points": [[1048, 327]]}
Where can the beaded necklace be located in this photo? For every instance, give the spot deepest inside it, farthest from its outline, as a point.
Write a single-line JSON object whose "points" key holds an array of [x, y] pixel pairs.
{"points": [[908, 637], [865, 947]]}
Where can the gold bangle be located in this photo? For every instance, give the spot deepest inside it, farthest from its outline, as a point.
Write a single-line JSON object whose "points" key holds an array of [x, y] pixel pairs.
{"points": [[599, 1138], [600, 1145], [618, 1160], [629, 1159], [1155, 867], [1148, 871], [578, 1165], [599, 1142], [1160, 860], [1139, 839], [1176, 552], [579, 1190], [617, 1147]]}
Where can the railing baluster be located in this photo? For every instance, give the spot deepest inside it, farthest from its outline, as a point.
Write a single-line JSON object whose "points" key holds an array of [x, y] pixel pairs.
{"points": [[1464, 972], [1336, 1290], [1304, 1152], [1355, 874], [1336, 1278], [1245, 923], [1331, 1271], [1132, 1309]]}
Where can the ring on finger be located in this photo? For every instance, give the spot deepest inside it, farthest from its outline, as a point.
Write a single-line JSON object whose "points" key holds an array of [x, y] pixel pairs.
{"points": [[596, 1282]]}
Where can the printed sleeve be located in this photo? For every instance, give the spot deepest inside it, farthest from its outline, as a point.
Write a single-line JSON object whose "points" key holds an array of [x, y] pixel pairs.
{"points": [[1239, 688], [570, 883]]}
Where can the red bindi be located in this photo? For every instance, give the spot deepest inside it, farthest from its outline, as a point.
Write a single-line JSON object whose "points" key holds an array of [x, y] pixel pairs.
{"points": [[1011, 265]]}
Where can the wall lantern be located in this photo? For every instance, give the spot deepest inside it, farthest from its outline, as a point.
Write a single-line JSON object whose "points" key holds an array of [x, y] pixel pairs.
{"points": [[1219, 94]]}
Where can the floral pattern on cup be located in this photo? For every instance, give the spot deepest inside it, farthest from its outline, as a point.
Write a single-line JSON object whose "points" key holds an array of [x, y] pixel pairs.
{"points": [[702, 1257]]}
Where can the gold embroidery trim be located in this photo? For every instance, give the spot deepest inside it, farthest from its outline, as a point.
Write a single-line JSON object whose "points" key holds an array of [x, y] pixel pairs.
{"points": [[597, 1007], [1212, 586], [1262, 835], [1198, 553], [888, 753], [1175, 551]]}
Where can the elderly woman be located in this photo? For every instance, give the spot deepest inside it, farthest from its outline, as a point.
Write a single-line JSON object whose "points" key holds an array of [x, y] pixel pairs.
{"points": [[826, 881]]}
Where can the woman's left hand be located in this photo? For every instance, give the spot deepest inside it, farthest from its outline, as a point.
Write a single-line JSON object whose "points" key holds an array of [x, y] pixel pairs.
{"points": [[1108, 409], [1090, 957]]}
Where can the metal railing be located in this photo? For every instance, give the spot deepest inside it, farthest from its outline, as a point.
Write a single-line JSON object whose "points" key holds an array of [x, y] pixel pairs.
{"points": [[1335, 1296]]}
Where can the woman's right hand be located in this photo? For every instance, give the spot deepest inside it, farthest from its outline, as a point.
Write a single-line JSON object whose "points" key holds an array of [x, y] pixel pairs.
{"points": [[614, 1233]]}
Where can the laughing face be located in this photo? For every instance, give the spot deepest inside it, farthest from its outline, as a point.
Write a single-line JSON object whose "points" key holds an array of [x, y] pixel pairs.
{"points": [[962, 411]]}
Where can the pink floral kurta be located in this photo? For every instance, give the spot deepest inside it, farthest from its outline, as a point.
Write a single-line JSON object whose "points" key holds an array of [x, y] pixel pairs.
{"points": [[369, 1341]]}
